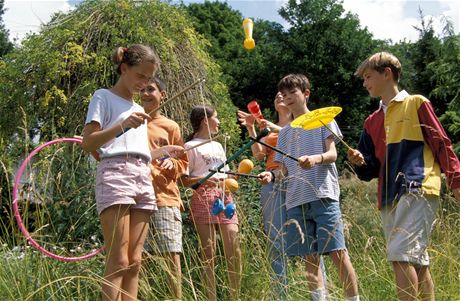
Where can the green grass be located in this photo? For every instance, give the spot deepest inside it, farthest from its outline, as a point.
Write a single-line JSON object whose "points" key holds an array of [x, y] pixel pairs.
{"points": [[28, 275]]}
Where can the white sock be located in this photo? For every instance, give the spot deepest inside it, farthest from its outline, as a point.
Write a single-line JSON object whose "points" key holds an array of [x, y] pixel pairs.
{"points": [[318, 294], [355, 298]]}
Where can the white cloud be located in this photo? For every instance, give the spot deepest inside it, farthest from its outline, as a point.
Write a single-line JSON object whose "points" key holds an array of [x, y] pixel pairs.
{"points": [[385, 19], [22, 17], [392, 19]]}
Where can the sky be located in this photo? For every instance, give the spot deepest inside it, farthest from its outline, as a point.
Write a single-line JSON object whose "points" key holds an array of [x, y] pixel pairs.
{"points": [[385, 19]]}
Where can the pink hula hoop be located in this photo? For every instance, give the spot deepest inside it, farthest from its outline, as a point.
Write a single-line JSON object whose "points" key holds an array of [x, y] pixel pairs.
{"points": [[17, 214]]}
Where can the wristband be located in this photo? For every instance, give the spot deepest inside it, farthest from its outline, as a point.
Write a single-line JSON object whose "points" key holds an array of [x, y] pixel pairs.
{"points": [[273, 176], [322, 159]]}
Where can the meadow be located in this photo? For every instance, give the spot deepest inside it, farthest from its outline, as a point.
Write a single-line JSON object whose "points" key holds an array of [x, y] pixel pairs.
{"points": [[26, 274]]}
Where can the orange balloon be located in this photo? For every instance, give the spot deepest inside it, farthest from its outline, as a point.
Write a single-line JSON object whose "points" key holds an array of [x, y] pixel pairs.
{"points": [[245, 166], [231, 185]]}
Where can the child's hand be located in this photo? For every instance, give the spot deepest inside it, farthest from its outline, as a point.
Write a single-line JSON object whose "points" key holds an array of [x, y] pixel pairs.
{"points": [[355, 157], [167, 164], [268, 124], [265, 177], [246, 119], [135, 120], [307, 162]]}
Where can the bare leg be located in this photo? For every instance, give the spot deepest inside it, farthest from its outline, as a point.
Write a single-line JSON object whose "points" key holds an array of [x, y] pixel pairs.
{"points": [[232, 251], [115, 228], [406, 280], [175, 274], [314, 273], [207, 234], [347, 274], [425, 283], [139, 226]]}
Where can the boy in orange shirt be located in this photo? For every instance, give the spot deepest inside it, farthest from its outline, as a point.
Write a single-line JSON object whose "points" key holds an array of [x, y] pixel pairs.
{"points": [[166, 223]]}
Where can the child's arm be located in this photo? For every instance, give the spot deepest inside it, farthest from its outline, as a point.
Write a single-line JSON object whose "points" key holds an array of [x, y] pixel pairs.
{"points": [[367, 166], [94, 136], [258, 150], [264, 123], [266, 177], [167, 150], [441, 146], [177, 163], [329, 156]]}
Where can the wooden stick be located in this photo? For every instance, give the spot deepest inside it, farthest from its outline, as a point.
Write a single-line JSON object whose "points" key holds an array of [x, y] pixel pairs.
{"points": [[236, 173], [198, 81], [201, 143], [276, 150], [335, 135], [192, 147]]}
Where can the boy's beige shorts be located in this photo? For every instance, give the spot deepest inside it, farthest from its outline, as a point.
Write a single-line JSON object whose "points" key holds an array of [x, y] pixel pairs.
{"points": [[407, 226]]}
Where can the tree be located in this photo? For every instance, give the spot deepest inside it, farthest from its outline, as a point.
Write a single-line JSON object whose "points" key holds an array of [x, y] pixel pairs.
{"points": [[425, 51], [48, 82], [446, 73], [327, 45], [53, 74], [249, 74], [5, 45]]}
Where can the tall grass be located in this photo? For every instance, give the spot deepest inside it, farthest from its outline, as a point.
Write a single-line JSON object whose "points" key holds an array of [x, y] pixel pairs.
{"points": [[25, 274]]}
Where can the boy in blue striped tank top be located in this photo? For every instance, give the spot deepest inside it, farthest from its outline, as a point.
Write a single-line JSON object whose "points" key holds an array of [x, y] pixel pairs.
{"points": [[315, 224]]}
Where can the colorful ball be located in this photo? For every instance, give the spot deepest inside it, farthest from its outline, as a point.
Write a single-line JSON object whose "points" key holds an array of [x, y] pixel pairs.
{"points": [[245, 166], [231, 185]]}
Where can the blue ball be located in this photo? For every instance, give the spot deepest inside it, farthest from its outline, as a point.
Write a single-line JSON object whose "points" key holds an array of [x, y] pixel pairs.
{"points": [[217, 207]]}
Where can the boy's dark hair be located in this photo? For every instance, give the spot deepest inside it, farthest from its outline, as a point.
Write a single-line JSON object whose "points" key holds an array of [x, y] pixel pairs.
{"points": [[134, 55], [160, 83], [378, 62], [293, 81], [197, 115]]}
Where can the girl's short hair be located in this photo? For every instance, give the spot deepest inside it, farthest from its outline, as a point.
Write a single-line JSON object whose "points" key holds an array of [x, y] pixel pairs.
{"points": [[293, 81], [134, 55], [378, 62]]}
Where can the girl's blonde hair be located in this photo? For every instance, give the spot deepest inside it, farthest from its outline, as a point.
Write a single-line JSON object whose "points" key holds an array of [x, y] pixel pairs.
{"points": [[378, 62]]}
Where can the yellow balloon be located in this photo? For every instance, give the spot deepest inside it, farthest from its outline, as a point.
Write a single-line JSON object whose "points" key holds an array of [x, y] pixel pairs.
{"points": [[245, 166], [231, 185]]}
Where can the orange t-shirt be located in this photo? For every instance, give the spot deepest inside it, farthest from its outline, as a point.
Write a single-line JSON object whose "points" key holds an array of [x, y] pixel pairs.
{"points": [[270, 163], [163, 131]]}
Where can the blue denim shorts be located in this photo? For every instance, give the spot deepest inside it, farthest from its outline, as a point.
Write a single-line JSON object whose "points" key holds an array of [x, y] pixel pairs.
{"points": [[315, 228]]}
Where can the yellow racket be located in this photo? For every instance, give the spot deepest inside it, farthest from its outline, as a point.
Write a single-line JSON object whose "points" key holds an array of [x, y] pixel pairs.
{"points": [[318, 118]]}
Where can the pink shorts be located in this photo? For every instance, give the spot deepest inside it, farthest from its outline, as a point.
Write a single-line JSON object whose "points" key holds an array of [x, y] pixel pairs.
{"points": [[203, 199], [124, 179]]}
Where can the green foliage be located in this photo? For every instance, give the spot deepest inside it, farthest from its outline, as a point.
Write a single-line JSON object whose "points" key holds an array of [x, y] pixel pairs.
{"points": [[327, 45], [5, 45], [53, 74], [249, 74]]}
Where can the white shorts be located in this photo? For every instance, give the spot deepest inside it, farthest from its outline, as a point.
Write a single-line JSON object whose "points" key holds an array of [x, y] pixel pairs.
{"points": [[407, 226]]}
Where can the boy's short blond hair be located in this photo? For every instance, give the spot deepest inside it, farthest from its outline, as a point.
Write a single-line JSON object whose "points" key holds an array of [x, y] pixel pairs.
{"points": [[378, 62], [291, 81]]}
